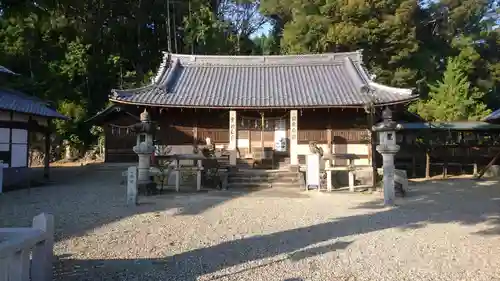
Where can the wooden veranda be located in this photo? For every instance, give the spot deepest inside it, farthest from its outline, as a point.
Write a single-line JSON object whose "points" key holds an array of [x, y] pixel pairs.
{"points": [[428, 149]]}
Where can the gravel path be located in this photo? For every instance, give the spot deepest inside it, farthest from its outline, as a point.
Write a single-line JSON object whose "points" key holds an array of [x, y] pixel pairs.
{"points": [[447, 230]]}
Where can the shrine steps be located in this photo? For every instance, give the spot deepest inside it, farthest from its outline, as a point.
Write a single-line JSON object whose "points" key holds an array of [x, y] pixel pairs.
{"points": [[261, 179]]}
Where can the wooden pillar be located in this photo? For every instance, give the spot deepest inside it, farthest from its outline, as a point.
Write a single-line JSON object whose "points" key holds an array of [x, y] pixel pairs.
{"points": [[46, 160], [329, 141], [373, 148], [249, 141], [28, 143], [445, 163], [413, 166], [294, 160], [195, 132]]}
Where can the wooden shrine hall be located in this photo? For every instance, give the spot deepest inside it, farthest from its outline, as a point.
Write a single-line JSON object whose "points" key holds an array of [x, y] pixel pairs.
{"points": [[262, 107]]}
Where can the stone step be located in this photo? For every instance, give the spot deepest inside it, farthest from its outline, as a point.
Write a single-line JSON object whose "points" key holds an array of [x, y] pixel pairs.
{"points": [[261, 185], [262, 171], [267, 179]]}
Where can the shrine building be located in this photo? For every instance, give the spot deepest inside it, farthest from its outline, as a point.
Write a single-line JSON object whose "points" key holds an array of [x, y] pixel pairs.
{"points": [[278, 104]]}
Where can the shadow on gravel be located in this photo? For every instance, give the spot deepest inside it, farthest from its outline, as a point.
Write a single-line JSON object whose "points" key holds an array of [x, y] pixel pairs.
{"points": [[95, 197], [460, 200]]}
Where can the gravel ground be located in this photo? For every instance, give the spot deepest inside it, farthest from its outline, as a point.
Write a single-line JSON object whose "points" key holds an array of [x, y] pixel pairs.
{"points": [[445, 230]]}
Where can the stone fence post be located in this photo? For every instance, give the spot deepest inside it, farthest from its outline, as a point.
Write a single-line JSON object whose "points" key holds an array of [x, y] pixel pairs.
{"points": [[26, 254]]}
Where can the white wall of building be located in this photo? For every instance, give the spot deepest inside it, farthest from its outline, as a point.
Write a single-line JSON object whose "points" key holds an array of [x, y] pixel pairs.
{"points": [[16, 140]]}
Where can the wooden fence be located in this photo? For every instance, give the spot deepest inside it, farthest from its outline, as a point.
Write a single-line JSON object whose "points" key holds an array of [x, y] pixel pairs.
{"points": [[27, 253]]}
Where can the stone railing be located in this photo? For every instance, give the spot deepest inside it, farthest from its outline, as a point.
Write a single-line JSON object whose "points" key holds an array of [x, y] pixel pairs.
{"points": [[27, 253]]}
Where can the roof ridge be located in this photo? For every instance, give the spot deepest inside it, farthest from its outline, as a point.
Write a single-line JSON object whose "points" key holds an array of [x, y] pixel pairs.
{"points": [[260, 59], [397, 90], [222, 65], [357, 52], [353, 70], [162, 68]]}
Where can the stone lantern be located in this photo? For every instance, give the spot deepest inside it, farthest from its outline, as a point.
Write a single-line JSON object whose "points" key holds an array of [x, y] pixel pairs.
{"points": [[388, 148], [144, 147]]}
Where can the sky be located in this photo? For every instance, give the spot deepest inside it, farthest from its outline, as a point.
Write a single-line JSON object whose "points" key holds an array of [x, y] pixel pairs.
{"points": [[263, 30]]}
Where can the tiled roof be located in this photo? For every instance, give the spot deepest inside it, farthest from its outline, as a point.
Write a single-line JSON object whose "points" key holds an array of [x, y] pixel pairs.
{"points": [[321, 80], [494, 116], [454, 126], [6, 70], [19, 102]]}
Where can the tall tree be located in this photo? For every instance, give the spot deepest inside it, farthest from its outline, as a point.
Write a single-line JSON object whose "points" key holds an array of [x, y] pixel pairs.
{"points": [[453, 98]]}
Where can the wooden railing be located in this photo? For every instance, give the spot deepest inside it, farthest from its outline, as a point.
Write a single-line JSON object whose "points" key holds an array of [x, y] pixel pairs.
{"points": [[27, 253]]}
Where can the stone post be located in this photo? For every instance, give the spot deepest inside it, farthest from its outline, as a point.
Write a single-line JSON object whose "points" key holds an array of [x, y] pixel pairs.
{"points": [[43, 253], [350, 175], [294, 161], [388, 148], [199, 171], [144, 150], [328, 163], [132, 186]]}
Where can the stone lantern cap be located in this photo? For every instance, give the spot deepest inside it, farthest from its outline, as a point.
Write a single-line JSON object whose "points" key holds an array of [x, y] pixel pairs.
{"points": [[387, 123], [144, 117], [145, 126]]}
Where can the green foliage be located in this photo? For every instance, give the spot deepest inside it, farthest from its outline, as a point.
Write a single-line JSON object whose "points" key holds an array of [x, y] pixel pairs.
{"points": [[72, 53], [404, 41], [207, 33], [70, 130], [453, 98]]}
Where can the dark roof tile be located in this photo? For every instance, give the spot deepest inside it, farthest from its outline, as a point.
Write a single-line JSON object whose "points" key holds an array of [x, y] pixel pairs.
{"points": [[19, 102], [322, 80]]}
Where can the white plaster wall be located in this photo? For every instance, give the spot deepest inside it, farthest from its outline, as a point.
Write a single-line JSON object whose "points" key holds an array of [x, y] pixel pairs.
{"points": [[4, 135], [19, 136], [19, 156], [243, 143], [4, 143]]}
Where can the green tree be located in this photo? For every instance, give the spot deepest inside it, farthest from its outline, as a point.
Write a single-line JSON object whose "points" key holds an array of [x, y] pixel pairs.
{"points": [[453, 98]]}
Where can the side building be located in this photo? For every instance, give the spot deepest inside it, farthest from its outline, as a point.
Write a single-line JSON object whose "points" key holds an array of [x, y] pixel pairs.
{"points": [[278, 104], [21, 117]]}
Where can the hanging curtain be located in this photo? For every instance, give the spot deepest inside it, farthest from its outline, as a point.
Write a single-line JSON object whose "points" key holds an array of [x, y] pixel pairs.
{"points": [[256, 123]]}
